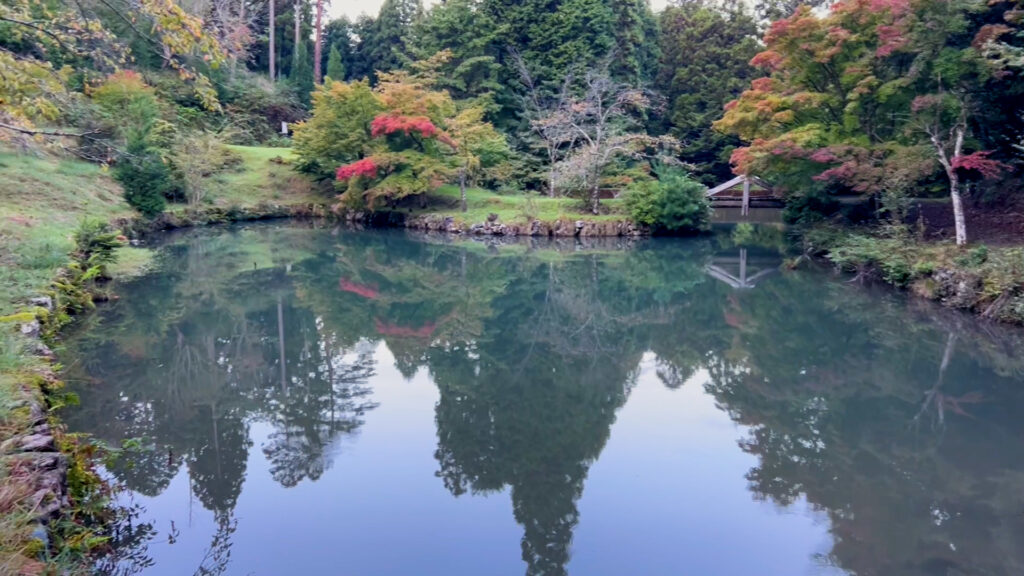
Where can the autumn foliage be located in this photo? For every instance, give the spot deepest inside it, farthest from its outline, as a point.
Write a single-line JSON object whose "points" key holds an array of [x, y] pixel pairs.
{"points": [[366, 168], [979, 164], [392, 123]]}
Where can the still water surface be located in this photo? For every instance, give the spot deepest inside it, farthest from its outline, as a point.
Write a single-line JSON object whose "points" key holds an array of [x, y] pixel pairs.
{"points": [[326, 401]]}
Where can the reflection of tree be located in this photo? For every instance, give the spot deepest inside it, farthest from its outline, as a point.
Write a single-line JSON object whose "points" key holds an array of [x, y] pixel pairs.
{"points": [[217, 559], [530, 405], [534, 352], [190, 377], [833, 412]]}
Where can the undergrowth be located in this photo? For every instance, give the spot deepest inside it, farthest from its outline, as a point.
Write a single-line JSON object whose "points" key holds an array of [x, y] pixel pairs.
{"points": [[983, 279]]}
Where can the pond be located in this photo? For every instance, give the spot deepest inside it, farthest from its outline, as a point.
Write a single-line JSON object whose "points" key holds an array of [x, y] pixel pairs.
{"points": [[298, 399]]}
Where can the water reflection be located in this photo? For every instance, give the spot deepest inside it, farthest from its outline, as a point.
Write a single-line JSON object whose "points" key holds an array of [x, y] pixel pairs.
{"points": [[902, 426]]}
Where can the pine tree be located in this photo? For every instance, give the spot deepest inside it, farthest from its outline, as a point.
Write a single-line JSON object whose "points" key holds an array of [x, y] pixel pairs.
{"points": [[335, 67], [391, 34], [705, 55], [468, 33], [302, 73]]}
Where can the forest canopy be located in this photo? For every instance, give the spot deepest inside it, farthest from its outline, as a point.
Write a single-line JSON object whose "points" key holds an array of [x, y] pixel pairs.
{"points": [[879, 99]]}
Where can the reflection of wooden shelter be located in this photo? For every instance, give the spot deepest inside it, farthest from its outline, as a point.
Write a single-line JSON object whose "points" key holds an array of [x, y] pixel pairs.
{"points": [[726, 194], [736, 272]]}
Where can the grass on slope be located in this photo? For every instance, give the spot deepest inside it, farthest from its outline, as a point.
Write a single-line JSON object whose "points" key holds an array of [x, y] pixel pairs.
{"points": [[514, 208], [42, 200], [264, 177]]}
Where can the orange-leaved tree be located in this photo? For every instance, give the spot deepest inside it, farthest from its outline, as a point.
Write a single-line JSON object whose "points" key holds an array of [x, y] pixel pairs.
{"points": [[420, 139]]}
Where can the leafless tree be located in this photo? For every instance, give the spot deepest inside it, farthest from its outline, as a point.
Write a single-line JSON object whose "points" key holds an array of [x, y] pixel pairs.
{"points": [[233, 26], [602, 119], [547, 117]]}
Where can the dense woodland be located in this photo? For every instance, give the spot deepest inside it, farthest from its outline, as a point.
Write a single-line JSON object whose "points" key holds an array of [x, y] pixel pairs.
{"points": [[879, 99]]}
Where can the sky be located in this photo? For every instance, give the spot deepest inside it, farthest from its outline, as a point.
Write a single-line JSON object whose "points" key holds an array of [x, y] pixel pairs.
{"points": [[353, 8]]}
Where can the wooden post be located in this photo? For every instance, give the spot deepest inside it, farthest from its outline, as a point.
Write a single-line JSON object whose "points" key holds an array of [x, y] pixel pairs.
{"points": [[743, 267], [746, 197]]}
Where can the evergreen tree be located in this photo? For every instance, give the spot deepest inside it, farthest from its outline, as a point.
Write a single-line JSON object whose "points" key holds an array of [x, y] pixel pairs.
{"points": [[705, 55], [339, 35], [335, 67], [389, 49], [468, 33], [302, 73], [636, 41], [365, 29]]}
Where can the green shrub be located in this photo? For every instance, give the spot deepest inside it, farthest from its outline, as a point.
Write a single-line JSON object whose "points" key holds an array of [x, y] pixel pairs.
{"points": [[683, 203], [128, 105], [978, 256], [96, 242], [145, 179], [890, 256], [675, 203], [641, 202], [743, 233], [809, 208]]}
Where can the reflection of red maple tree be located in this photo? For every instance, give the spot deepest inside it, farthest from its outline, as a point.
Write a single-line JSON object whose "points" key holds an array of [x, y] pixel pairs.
{"points": [[954, 403], [360, 289], [733, 314], [387, 329]]}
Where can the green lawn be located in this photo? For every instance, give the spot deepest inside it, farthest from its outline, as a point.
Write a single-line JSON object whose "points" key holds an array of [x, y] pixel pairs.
{"points": [[264, 177], [519, 208]]}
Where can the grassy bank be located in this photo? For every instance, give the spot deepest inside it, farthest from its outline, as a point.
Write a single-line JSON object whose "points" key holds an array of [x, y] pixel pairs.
{"points": [[480, 204], [265, 176], [985, 280], [43, 200]]}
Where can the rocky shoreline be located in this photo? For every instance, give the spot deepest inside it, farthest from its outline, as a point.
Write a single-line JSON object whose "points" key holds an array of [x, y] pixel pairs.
{"points": [[32, 454], [561, 228]]}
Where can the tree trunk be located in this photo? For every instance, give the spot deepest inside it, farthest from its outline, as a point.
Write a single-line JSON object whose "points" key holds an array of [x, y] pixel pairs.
{"points": [[273, 53], [949, 162], [462, 188], [595, 197], [317, 50], [280, 343], [959, 222], [298, 35]]}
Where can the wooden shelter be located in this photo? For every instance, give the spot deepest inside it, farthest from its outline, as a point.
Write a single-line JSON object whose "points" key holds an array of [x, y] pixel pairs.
{"points": [[725, 194]]}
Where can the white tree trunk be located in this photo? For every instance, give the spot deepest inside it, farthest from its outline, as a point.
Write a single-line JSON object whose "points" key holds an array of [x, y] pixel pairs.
{"points": [[273, 53], [959, 222], [949, 164], [317, 49]]}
